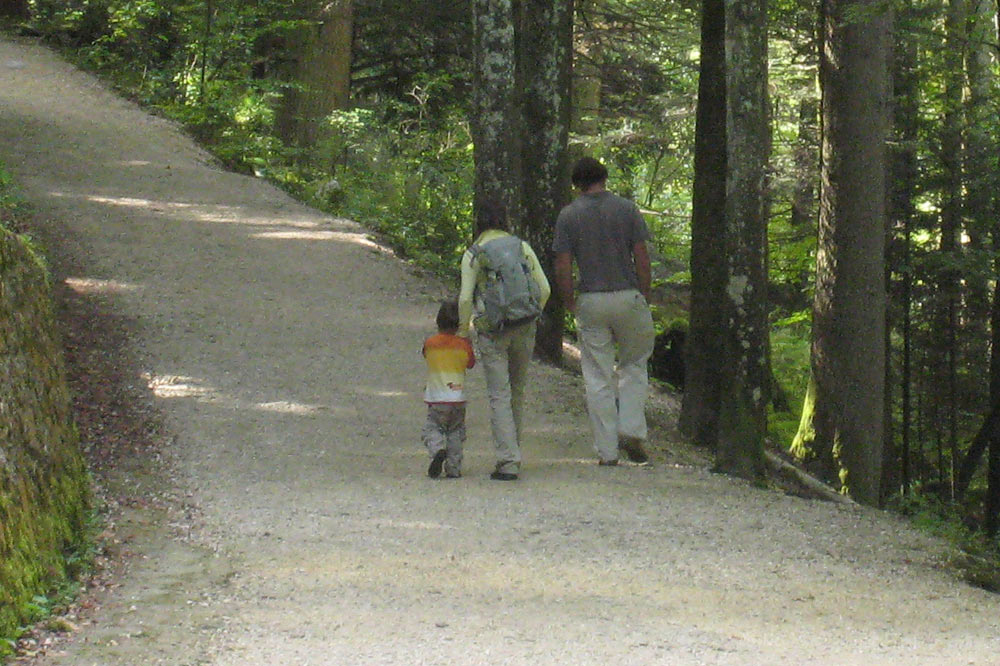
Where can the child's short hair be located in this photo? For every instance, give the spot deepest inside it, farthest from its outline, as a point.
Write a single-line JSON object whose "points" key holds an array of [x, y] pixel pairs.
{"points": [[447, 317]]}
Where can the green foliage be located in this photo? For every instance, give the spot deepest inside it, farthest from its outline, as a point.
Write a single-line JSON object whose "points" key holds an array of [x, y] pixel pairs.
{"points": [[790, 366], [413, 185], [977, 557]]}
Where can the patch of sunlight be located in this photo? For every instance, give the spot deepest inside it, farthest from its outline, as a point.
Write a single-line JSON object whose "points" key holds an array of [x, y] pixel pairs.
{"points": [[286, 407], [206, 212], [95, 286], [412, 525], [381, 393], [175, 386], [296, 235], [343, 236]]}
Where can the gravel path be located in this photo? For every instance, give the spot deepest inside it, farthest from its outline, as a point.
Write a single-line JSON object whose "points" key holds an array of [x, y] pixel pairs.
{"points": [[282, 348]]}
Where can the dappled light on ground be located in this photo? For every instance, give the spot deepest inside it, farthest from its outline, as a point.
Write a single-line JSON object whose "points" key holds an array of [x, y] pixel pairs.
{"points": [[177, 386], [88, 286], [342, 236], [200, 212]]}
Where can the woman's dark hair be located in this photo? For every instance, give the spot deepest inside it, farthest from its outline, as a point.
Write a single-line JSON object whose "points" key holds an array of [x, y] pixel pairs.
{"points": [[491, 214], [447, 317], [587, 172]]}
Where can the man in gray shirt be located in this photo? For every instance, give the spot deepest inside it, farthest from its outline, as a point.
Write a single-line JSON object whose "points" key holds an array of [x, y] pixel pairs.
{"points": [[606, 236]]}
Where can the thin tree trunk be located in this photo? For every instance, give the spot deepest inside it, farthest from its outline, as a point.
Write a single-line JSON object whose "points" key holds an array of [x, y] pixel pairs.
{"points": [[981, 211], [703, 347], [951, 216], [901, 213], [804, 196]]}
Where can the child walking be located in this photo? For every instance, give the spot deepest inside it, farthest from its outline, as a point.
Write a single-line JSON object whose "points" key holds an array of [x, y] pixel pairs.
{"points": [[448, 357]]}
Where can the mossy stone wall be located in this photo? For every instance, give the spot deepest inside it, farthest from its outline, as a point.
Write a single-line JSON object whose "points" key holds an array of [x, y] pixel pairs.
{"points": [[44, 483]]}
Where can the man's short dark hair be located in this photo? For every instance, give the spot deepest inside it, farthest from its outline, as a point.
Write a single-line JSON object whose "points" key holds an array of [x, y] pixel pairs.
{"points": [[447, 317], [587, 172]]}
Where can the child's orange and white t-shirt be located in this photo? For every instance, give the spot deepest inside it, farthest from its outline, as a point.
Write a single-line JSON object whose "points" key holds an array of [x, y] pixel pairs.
{"points": [[448, 357]]}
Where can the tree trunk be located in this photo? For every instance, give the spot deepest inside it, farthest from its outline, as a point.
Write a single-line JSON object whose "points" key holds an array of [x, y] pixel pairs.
{"points": [[804, 196], [587, 58], [493, 103], [323, 73], [545, 59], [901, 214], [951, 223], [988, 437], [848, 351], [981, 214], [746, 381], [703, 346], [981, 180]]}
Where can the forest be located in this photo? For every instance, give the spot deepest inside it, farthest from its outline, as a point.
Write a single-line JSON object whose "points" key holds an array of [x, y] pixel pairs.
{"points": [[820, 179]]}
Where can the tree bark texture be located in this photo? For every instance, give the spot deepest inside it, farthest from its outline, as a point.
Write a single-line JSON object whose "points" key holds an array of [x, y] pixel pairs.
{"points": [[322, 72], [901, 215], [746, 380], [981, 181], [493, 105], [848, 351], [545, 59], [703, 347], [952, 152]]}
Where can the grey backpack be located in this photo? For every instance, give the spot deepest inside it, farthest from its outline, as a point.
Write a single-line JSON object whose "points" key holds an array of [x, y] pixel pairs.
{"points": [[509, 295]]}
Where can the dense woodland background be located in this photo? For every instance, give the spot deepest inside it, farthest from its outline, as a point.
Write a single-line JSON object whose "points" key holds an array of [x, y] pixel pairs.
{"points": [[820, 179]]}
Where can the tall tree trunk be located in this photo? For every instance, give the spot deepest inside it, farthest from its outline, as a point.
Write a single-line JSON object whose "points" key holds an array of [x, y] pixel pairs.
{"points": [[982, 214], [323, 72], [587, 59], [545, 60], [848, 351], [901, 214], [951, 220], [746, 383], [993, 465], [703, 347], [493, 105], [981, 181], [804, 196]]}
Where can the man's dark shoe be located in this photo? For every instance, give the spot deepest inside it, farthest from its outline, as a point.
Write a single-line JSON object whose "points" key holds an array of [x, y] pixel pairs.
{"points": [[633, 449], [434, 471], [503, 476], [608, 463]]}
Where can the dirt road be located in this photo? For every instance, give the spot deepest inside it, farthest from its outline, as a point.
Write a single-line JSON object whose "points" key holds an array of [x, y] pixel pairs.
{"points": [[282, 348]]}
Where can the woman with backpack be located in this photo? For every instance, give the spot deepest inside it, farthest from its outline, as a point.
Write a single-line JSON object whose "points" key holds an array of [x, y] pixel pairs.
{"points": [[504, 291]]}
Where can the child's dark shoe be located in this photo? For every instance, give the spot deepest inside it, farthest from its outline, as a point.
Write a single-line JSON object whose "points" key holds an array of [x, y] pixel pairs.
{"points": [[434, 471]]}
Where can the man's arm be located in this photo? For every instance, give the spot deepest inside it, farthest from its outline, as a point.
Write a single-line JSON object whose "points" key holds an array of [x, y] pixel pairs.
{"points": [[564, 279], [642, 268]]}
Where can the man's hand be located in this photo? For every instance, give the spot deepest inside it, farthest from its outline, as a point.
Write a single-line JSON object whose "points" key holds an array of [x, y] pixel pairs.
{"points": [[564, 280]]}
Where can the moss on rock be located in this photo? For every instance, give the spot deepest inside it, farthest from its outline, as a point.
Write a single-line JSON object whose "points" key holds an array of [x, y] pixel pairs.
{"points": [[44, 482]]}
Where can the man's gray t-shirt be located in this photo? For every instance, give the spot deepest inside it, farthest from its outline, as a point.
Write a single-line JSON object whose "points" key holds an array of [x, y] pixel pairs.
{"points": [[599, 230]]}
